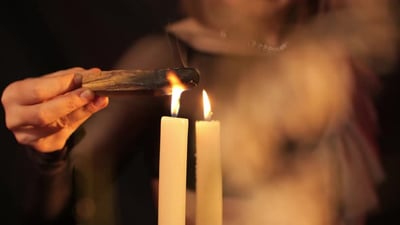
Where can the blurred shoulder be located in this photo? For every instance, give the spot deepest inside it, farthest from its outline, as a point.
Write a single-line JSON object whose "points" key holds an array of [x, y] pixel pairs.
{"points": [[149, 52]]}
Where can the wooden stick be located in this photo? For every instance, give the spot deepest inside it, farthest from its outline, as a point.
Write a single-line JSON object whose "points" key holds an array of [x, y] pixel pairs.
{"points": [[138, 81]]}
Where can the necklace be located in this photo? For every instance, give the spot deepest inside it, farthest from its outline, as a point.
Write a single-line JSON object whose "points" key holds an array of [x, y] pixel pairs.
{"points": [[261, 46], [267, 48]]}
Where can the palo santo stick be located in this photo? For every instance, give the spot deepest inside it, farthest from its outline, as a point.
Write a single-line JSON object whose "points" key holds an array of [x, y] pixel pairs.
{"points": [[138, 81]]}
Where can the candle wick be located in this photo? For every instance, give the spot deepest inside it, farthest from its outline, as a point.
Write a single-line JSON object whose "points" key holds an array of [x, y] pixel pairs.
{"points": [[208, 116]]}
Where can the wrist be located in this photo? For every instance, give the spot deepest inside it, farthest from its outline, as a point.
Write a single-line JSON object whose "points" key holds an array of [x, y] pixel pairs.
{"points": [[51, 163], [48, 159]]}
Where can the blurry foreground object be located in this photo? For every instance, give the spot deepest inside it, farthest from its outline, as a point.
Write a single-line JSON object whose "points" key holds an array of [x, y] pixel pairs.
{"points": [[299, 139]]}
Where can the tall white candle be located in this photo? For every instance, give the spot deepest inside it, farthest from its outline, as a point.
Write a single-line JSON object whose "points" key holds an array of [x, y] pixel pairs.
{"points": [[172, 166], [208, 169], [172, 177]]}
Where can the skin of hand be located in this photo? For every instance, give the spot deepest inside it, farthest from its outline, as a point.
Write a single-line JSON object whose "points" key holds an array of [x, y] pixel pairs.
{"points": [[43, 112]]}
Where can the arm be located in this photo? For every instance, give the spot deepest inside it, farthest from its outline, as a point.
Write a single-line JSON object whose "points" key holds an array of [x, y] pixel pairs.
{"points": [[46, 186], [42, 113]]}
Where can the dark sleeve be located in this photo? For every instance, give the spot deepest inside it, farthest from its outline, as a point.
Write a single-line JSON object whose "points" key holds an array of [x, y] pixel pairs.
{"points": [[47, 188]]}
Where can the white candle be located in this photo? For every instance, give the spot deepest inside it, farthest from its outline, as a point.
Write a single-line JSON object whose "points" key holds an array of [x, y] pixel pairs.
{"points": [[172, 171], [208, 169]]}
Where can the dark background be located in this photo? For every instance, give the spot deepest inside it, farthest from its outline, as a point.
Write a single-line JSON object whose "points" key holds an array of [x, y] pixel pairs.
{"points": [[41, 36]]}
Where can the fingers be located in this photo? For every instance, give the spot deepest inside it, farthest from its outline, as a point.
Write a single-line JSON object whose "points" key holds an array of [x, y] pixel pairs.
{"points": [[36, 90], [78, 71], [52, 136], [66, 71], [50, 111], [74, 119], [43, 112]]}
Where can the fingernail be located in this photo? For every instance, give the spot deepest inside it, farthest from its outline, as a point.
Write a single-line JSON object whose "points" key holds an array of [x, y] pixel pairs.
{"points": [[78, 79], [87, 94], [95, 70], [101, 101]]}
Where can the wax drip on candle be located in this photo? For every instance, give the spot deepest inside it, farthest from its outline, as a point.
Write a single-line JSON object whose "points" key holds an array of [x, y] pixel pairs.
{"points": [[206, 106], [177, 89]]}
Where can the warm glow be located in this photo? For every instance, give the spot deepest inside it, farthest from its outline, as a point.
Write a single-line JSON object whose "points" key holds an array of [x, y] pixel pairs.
{"points": [[206, 106], [177, 89]]}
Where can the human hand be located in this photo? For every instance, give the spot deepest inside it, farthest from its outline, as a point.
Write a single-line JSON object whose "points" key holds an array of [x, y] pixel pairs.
{"points": [[43, 112]]}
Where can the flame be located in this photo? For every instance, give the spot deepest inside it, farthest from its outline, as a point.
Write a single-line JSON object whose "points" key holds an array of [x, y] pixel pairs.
{"points": [[177, 89], [206, 106]]}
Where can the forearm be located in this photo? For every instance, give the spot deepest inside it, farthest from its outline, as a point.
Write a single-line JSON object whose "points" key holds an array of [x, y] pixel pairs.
{"points": [[47, 188]]}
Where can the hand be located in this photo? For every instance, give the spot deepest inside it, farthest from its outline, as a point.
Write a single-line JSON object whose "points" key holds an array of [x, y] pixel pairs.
{"points": [[43, 112]]}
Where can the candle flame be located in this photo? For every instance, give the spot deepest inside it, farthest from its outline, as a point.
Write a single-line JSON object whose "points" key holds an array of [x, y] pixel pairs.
{"points": [[177, 89], [206, 106]]}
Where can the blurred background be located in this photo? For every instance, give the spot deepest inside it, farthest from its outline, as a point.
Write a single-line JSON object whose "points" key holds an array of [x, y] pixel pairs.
{"points": [[41, 36]]}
